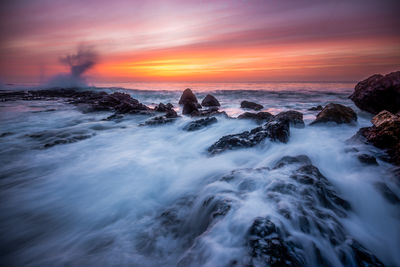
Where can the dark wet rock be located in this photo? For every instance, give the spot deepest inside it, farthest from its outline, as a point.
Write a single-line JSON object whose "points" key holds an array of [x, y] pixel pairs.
{"points": [[351, 150], [387, 193], [52, 138], [267, 247], [67, 140], [336, 113], [171, 114], [190, 108], [319, 107], [159, 120], [95, 100], [259, 117], [294, 118], [120, 102], [367, 159], [187, 96], [250, 105], [6, 134], [287, 160], [274, 130], [378, 93], [115, 117], [212, 111], [384, 134], [163, 107], [210, 101], [200, 124], [362, 256]]}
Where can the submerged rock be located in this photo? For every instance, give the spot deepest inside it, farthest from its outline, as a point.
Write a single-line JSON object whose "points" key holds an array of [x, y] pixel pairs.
{"points": [[210, 101], [367, 159], [200, 124], [384, 134], [294, 118], [187, 96], [159, 120], [378, 93], [259, 117], [274, 130], [250, 105], [335, 113], [319, 107]]}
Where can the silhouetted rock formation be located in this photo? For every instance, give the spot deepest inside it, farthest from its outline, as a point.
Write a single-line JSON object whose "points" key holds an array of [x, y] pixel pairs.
{"points": [[378, 93], [250, 105], [187, 96], [210, 101], [336, 113]]}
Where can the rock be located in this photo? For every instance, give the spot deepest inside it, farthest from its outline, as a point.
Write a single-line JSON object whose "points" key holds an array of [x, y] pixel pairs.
{"points": [[115, 117], [259, 117], [336, 113], [210, 101], [378, 93], [319, 107], [159, 120], [275, 130], [212, 111], [200, 124], [367, 159], [171, 114], [250, 105], [187, 96], [384, 134], [294, 118], [189, 108], [120, 102], [387, 193], [163, 108]]}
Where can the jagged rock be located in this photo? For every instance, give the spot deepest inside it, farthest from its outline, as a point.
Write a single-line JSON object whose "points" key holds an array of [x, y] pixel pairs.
{"points": [[294, 118], [336, 113], [378, 93], [259, 117], [319, 107], [120, 102], [163, 107], [250, 105], [210, 101], [199, 124], [267, 247], [274, 130], [189, 108], [187, 96], [384, 134], [367, 159]]}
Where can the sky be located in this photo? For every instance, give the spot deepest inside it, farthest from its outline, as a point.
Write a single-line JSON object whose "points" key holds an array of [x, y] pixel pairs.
{"points": [[204, 40]]}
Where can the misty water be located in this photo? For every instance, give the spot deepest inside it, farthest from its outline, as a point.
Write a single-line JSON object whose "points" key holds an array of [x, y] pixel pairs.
{"points": [[121, 194]]}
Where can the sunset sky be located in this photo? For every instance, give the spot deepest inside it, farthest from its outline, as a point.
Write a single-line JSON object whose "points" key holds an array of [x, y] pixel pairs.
{"points": [[205, 40]]}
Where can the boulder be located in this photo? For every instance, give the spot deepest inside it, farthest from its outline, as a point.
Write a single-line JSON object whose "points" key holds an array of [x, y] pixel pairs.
{"points": [[384, 134], [200, 124], [210, 101], [378, 93], [294, 118], [171, 114], [260, 116], [189, 108], [187, 96], [250, 105], [336, 113], [274, 130], [159, 120], [367, 159]]}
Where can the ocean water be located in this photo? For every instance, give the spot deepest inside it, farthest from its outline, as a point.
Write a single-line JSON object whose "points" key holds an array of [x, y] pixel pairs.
{"points": [[118, 194]]}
